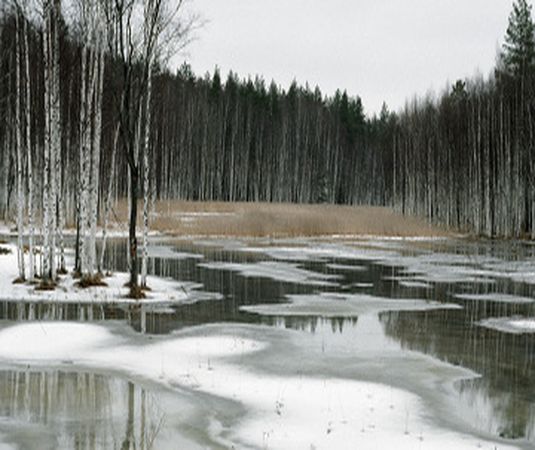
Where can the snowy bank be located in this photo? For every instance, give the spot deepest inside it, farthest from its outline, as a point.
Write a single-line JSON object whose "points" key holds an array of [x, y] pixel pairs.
{"points": [[162, 290]]}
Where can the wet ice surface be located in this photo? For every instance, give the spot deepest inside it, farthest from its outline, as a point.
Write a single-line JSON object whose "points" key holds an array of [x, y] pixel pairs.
{"points": [[341, 305], [365, 344], [289, 410], [515, 325], [496, 297], [164, 251], [277, 271], [61, 409], [345, 267]]}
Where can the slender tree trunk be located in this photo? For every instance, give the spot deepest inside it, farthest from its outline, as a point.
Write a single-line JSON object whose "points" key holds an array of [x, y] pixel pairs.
{"points": [[132, 239], [95, 163], [84, 150], [46, 274], [107, 206], [29, 169], [18, 143], [146, 179]]}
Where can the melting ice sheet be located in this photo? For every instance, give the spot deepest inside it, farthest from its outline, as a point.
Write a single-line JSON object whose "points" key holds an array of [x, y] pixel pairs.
{"points": [[419, 264], [496, 297], [342, 305], [514, 325], [299, 410], [278, 271], [167, 252]]}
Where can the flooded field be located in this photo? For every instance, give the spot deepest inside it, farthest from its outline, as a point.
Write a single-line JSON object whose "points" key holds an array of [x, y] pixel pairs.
{"points": [[285, 344]]}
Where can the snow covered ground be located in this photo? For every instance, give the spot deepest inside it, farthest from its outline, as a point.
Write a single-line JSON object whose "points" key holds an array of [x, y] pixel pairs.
{"points": [[161, 290], [281, 412]]}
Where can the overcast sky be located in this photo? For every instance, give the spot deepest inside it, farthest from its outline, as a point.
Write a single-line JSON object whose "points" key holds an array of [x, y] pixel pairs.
{"points": [[382, 50]]}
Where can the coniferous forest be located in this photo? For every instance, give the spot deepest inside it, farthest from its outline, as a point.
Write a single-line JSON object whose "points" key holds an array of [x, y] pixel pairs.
{"points": [[91, 112]]}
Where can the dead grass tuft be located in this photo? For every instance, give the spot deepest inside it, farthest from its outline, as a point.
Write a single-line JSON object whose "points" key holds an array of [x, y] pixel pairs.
{"points": [[19, 280], [36, 250], [46, 285], [90, 281], [136, 292]]}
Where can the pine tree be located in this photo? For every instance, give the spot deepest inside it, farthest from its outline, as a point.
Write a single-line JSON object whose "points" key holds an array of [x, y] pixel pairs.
{"points": [[519, 48]]}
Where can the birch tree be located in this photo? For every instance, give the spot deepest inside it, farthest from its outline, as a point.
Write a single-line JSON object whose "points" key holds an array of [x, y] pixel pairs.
{"points": [[93, 36], [29, 159], [135, 44], [18, 144]]}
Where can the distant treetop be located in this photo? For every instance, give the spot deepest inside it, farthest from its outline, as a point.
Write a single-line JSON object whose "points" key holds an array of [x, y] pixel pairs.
{"points": [[518, 53]]}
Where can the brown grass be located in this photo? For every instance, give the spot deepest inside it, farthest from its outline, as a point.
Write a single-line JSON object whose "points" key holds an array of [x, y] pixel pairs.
{"points": [[136, 293], [46, 286], [280, 220], [90, 281]]}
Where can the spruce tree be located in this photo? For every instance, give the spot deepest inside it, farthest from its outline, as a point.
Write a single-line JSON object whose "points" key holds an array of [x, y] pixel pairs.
{"points": [[518, 53]]}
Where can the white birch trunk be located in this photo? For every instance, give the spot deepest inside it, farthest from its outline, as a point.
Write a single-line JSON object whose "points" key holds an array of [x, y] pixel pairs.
{"points": [[45, 266], [95, 159], [56, 233], [29, 169], [146, 196], [18, 143], [83, 157], [55, 134], [107, 206]]}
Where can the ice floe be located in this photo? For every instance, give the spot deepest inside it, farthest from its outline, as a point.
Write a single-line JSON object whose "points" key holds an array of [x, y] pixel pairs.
{"points": [[278, 271], [513, 325], [346, 267], [167, 252], [496, 297], [414, 284], [342, 305]]}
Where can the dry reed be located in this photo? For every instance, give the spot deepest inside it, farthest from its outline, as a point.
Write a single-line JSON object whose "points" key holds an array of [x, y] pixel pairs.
{"points": [[179, 218]]}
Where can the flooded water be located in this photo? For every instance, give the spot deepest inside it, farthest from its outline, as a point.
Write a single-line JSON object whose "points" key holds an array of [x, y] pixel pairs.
{"points": [[62, 407]]}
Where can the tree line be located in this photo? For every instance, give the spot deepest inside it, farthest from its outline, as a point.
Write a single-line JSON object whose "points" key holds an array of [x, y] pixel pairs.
{"points": [[467, 158]]}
